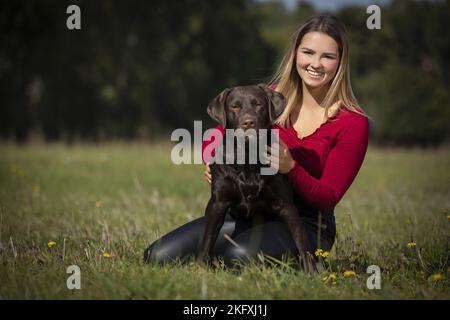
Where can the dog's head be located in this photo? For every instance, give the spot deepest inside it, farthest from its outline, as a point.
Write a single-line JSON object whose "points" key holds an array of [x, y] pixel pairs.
{"points": [[248, 107]]}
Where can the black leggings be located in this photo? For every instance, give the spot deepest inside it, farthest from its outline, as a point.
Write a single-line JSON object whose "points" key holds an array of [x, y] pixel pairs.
{"points": [[248, 239]]}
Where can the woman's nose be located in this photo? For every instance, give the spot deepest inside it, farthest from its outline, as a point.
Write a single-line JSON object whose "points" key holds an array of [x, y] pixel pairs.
{"points": [[315, 62]]}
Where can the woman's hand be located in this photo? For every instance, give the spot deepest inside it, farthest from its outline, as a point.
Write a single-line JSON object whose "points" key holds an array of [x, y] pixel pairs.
{"points": [[208, 173], [280, 156], [284, 162]]}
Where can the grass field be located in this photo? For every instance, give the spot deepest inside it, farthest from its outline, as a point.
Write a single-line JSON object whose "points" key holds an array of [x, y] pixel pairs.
{"points": [[102, 205]]}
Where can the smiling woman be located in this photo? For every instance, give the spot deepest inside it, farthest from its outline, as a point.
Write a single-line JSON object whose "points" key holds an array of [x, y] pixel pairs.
{"points": [[324, 130]]}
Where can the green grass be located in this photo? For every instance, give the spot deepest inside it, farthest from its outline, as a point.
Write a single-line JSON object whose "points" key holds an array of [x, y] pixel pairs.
{"points": [[118, 198]]}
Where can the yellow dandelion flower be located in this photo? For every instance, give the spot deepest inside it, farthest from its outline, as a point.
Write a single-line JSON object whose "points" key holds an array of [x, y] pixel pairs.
{"points": [[318, 252], [329, 277], [448, 217], [322, 253], [349, 273], [437, 277], [107, 255], [98, 204], [51, 244], [411, 244]]}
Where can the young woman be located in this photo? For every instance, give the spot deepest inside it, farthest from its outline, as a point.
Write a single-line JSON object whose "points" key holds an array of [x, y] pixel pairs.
{"points": [[324, 138]]}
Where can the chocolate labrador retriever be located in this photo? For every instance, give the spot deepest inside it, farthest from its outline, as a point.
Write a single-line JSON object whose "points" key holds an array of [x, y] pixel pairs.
{"points": [[241, 187]]}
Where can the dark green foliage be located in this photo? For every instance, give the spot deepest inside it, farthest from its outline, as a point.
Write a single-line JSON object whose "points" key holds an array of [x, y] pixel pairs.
{"points": [[133, 65], [141, 68]]}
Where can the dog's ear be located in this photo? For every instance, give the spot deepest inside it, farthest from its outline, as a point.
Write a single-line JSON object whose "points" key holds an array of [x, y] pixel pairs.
{"points": [[216, 108], [277, 102]]}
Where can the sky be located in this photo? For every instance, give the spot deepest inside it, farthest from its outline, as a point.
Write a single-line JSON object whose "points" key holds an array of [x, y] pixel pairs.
{"points": [[332, 5]]}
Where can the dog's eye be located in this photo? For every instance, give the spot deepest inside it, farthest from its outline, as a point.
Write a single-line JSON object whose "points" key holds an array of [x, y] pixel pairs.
{"points": [[235, 107], [256, 103]]}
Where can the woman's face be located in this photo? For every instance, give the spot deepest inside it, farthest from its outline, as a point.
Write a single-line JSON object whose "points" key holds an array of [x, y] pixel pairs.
{"points": [[317, 59]]}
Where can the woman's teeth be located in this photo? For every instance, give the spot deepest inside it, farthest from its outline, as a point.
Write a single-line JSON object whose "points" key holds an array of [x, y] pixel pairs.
{"points": [[314, 74]]}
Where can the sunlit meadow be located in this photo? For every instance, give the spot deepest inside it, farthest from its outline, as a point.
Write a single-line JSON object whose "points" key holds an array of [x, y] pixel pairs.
{"points": [[98, 207]]}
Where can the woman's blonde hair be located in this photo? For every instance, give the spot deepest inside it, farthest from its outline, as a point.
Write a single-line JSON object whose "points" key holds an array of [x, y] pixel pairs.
{"points": [[340, 94]]}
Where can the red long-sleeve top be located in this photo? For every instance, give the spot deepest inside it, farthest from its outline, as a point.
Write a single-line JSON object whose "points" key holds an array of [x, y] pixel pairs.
{"points": [[327, 161]]}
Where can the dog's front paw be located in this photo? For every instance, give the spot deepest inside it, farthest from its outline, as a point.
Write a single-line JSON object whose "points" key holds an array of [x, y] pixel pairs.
{"points": [[202, 262]]}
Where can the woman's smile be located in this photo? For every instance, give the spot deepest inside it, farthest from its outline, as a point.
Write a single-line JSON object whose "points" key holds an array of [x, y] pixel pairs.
{"points": [[314, 74]]}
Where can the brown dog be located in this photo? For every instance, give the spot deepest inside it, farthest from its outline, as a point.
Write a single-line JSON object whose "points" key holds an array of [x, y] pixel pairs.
{"points": [[241, 187]]}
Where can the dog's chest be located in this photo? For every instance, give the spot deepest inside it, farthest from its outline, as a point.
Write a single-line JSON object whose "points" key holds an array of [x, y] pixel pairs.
{"points": [[252, 192]]}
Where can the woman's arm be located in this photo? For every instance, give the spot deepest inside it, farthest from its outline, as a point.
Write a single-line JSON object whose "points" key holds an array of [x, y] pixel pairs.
{"points": [[341, 168], [207, 157], [210, 139]]}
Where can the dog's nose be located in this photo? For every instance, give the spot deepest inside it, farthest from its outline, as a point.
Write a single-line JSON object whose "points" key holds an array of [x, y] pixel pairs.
{"points": [[248, 123]]}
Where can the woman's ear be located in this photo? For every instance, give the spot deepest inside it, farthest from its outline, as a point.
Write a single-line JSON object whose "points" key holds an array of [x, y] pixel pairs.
{"points": [[216, 108], [277, 102]]}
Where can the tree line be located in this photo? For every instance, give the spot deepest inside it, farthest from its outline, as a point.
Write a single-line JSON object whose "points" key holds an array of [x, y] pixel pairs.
{"points": [[139, 69]]}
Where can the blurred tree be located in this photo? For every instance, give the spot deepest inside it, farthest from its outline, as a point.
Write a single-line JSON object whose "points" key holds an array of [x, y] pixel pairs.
{"points": [[139, 65], [142, 68], [401, 71]]}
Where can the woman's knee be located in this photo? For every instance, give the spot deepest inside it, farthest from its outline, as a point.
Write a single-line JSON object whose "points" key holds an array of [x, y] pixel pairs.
{"points": [[235, 256], [150, 254], [157, 253]]}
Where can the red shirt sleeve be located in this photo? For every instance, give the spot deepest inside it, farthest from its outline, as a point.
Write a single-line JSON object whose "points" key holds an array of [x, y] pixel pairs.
{"points": [[341, 167], [210, 140]]}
